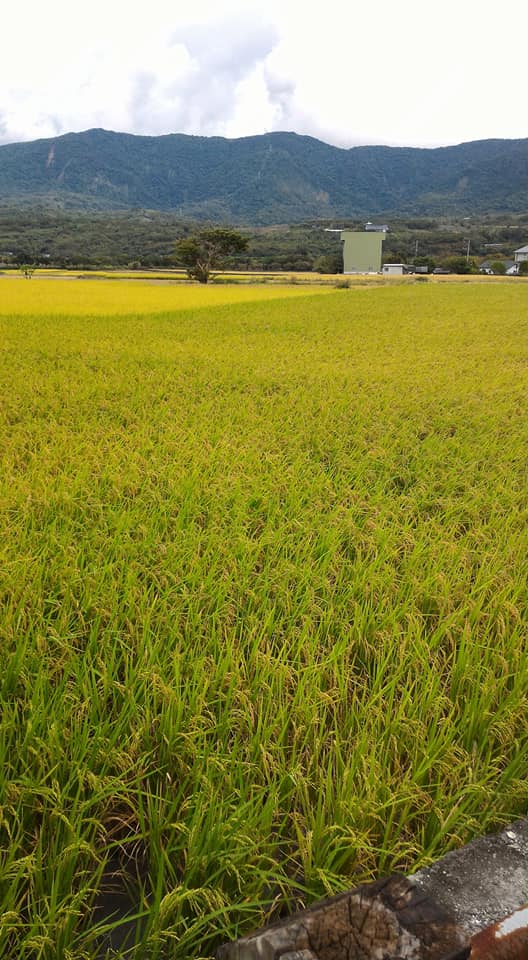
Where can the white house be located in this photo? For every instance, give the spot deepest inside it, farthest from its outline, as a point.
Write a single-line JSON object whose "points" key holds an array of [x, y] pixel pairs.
{"points": [[521, 254], [511, 269], [376, 227], [396, 269]]}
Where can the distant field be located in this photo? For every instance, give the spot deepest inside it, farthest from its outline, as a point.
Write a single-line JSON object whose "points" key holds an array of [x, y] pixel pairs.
{"points": [[249, 278], [263, 576], [91, 297]]}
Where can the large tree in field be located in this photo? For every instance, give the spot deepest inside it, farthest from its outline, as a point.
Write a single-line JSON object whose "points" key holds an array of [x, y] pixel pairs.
{"points": [[208, 250]]}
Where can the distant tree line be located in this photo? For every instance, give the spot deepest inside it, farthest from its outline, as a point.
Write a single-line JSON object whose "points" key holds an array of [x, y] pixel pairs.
{"points": [[143, 239]]}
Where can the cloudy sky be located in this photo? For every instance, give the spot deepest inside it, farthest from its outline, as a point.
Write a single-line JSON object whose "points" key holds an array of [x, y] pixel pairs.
{"points": [[411, 73]]}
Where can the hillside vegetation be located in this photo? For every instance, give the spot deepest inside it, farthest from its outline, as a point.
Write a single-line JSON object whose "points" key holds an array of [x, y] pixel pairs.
{"points": [[32, 233], [276, 177], [263, 582]]}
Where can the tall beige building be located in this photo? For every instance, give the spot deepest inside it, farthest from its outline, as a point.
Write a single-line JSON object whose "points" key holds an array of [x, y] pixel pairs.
{"points": [[361, 251]]}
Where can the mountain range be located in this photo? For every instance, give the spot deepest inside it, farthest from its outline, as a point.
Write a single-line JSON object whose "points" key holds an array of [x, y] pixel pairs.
{"points": [[272, 178]]}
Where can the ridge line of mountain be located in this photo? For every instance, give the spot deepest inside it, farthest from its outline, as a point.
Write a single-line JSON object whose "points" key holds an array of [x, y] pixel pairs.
{"points": [[265, 178]]}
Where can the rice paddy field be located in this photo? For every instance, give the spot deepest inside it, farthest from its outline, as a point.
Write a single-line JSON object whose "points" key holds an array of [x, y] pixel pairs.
{"points": [[263, 599]]}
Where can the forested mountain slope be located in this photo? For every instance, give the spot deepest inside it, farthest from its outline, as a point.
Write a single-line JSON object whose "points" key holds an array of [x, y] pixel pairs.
{"points": [[276, 177]]}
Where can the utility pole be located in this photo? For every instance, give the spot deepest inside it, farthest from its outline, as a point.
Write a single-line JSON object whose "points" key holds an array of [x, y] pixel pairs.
{"points": [[467, 252]]}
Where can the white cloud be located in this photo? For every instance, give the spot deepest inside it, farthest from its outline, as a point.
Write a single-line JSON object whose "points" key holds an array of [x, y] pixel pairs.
{"points": [[221, 55], [388, 73]]}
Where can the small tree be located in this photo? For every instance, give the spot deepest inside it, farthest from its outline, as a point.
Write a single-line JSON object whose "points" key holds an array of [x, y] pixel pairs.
{"points": [[27, 270], [499, 267], [329, 263], [208, 250], [428, 262], [523, 268], [460, 265]]}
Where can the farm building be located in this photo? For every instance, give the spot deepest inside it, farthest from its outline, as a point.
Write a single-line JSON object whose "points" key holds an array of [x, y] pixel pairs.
{"points": [[521, 254], [396, 269], [510, 267], [361, 251]]}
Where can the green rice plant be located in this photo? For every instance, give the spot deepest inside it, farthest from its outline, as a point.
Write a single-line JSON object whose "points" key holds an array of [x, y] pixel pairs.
{"points": [[263, 568]]}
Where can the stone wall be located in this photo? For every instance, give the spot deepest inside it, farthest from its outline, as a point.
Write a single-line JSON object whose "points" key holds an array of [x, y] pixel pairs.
{"points": [[452, 909]]}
